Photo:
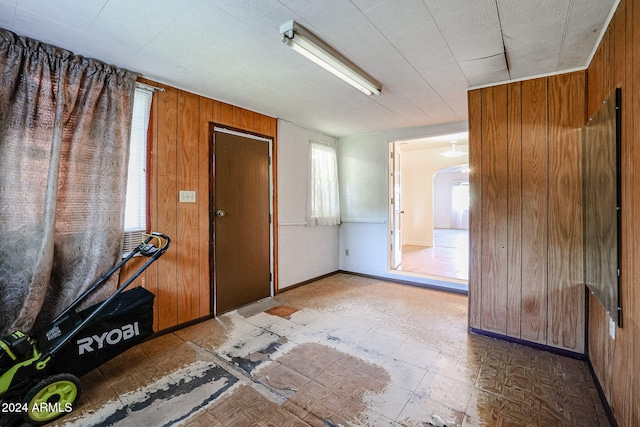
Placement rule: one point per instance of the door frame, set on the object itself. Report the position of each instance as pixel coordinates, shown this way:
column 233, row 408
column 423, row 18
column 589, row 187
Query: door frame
column 395, row 207
column 273, row 252
column 443, row 281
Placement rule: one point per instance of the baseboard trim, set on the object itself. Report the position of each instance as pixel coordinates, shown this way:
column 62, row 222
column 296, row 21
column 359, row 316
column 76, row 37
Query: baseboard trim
column 371, row 276
column 603, row 397
column 596, row 381
column 555, row 350
column 179, row 326
column 306, row 282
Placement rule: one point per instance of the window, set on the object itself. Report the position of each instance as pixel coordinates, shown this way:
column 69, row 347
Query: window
column 460, row 196
column 323, row 205
column 460, row 203
column 135, row 220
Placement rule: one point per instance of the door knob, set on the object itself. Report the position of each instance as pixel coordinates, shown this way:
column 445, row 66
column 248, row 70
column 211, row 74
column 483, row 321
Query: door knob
column 220, row 213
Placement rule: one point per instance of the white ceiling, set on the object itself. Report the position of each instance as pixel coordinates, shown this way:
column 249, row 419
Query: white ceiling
column 426, row 53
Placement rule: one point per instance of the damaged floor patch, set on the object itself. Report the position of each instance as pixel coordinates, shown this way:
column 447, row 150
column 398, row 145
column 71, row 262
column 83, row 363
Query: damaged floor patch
column 281, row 310
column 165, row 402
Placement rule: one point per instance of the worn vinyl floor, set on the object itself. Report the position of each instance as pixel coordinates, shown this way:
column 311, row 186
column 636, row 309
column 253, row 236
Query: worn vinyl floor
column 342, row 351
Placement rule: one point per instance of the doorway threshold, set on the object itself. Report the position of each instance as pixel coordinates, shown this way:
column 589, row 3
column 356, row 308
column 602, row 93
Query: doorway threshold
column 445, row 284
column 450, row 284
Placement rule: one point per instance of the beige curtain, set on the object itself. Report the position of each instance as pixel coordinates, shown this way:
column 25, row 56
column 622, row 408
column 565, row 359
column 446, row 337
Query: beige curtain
column 64, row 132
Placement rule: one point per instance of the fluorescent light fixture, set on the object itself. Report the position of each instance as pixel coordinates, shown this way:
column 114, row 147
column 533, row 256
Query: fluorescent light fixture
column 307, row 44
column 452, row 152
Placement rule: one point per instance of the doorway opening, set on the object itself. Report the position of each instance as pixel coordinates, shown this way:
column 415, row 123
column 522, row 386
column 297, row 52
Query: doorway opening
column 429, row 208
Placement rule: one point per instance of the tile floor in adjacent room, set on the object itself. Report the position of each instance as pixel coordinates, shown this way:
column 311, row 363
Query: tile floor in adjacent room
column 341, row 351
column 449, row 257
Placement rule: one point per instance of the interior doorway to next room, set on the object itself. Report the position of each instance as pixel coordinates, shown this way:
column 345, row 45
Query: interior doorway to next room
column 429, row 207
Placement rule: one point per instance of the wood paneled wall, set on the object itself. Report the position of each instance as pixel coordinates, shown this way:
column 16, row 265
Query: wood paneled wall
column 616, row 362
column 543, row 155
column 181, row 160
column 526, row 218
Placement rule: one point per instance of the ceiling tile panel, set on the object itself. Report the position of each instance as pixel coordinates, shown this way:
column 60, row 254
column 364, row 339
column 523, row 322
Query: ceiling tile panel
column 472, row 32
column 359, row 39
column 485, row 70
column 108, row 51
column 470, row 28
column 247, row 11
column 206, row 45
column 458, row 106
column 367, row 4
column 470, row 46
column 7, row 11
column 74, row 14
column 395, row 102
column 269, row 25
column 448, row 76
column 410, row 29
column 527, row 22
column 325, row 14
column 40, row 27
column 586, row 18
column 137, row 22
column 424, row 52
column 420, row 95
column 533, row 59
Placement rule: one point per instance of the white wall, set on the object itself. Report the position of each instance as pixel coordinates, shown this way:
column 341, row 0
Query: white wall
column 443, row 216
column 303, row 252
column 418, row 170
column 364, row 198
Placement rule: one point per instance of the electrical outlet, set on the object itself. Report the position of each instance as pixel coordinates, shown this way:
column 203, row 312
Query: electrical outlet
column 346, row 252
column 612, row 328
column 187, row 196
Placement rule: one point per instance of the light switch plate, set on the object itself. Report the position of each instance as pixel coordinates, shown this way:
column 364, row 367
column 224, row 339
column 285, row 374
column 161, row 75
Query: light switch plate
column 187, row 196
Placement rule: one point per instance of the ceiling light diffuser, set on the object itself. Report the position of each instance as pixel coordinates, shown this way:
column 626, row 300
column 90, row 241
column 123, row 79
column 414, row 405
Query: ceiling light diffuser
column 313, row 48
column 452, row 152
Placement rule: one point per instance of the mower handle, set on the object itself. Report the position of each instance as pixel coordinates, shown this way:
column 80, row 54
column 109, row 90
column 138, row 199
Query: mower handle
column 146, row 249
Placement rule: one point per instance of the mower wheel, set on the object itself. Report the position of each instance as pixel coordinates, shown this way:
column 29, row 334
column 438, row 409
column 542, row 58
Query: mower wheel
column 51, row 398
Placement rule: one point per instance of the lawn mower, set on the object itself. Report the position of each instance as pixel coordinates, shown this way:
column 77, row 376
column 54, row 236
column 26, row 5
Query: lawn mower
column 39, row 372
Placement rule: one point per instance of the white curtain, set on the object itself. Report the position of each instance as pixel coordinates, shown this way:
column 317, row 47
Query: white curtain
column 323, row 204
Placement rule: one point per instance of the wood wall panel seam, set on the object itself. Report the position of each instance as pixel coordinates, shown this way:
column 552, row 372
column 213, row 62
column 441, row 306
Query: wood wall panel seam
column 565, row 260
column 188, row 277
column 166, row 205
column 535, row 210
column 514, row 216
column 204, row 165
column 630, row 110
column 632, row 312
column 153, row 273
column 475, row 148
column 494, row 210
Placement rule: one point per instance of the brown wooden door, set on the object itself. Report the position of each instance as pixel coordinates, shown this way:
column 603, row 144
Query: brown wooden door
column 241, row 229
